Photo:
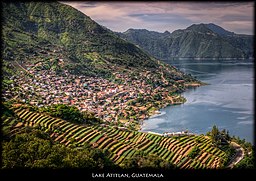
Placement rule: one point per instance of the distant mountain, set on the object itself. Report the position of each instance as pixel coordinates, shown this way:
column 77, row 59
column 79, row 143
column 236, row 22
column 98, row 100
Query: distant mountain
column 196, row 41
column 219, row 30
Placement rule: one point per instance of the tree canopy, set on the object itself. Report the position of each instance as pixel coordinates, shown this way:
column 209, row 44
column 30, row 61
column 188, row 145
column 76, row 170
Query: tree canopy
column 70, row 113
column 33, row 149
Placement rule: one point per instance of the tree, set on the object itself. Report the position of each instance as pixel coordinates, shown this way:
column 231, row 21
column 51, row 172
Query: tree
column 215, row 135
column 71, row 114
column 228, row 136
column 194, row 152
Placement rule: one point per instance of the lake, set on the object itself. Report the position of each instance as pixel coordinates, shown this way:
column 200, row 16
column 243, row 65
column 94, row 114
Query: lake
column 227, row 102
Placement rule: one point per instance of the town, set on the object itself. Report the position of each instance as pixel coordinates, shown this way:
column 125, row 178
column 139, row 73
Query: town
column 125, row 104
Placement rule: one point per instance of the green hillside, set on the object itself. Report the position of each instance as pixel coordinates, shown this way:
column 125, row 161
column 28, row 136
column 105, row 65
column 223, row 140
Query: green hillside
column 39, row 30
column 119, row 146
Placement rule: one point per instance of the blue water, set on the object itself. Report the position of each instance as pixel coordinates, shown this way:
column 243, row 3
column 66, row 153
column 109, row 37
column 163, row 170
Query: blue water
column 228, row 102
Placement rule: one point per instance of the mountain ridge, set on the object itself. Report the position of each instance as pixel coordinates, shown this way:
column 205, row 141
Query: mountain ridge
column 219, row 30
column 196, row 41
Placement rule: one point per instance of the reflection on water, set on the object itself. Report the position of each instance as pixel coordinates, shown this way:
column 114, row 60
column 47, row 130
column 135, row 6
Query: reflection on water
column 226, row 102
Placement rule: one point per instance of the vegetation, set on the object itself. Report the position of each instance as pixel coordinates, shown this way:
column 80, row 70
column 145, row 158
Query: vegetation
column 33, row 149
column 34, row 29
column 248, row 162
column 194, row 152
column 219, row 137
column 149, row 161
column 124, row 148
column 70, row 113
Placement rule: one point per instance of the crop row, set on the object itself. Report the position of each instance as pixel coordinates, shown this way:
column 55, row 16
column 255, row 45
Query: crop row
column 125, row 144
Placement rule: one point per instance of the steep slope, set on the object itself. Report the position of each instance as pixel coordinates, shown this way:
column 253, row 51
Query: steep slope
column 196, row 41
column 33, row 28
column 200, row 42
column 121, row 146
column 154, row 43
column 239, row 41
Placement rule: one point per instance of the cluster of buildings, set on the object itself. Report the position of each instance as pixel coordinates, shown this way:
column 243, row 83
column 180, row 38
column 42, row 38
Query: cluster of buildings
column 171, row 134
column 124, row 103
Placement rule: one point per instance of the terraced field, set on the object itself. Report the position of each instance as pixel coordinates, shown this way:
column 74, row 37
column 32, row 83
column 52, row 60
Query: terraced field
column 123, row 144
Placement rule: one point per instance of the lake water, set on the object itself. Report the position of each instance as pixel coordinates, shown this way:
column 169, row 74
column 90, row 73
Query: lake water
column 228, row 102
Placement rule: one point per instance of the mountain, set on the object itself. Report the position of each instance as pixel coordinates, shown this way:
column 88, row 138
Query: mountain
column 196, row 41
column 53, row 53
column 74, row 95
column 31, row 29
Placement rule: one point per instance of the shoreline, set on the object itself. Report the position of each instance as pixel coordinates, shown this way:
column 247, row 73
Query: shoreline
column 157, row 111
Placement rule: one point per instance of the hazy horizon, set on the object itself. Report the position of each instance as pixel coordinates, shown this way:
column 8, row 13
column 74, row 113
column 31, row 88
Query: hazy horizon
column 237, row 17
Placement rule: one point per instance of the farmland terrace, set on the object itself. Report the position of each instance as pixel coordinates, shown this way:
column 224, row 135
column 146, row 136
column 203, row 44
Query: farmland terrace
column 185, row 152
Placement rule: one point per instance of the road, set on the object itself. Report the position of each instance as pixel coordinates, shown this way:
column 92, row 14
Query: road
column 238, row 156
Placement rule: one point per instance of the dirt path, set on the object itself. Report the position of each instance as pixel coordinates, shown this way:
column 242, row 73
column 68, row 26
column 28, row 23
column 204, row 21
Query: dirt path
column 20, row 66
column 162, row 77
column 238, row 156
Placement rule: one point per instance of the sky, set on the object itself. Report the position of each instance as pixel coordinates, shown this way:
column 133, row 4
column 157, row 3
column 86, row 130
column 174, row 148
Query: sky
column 168, row 15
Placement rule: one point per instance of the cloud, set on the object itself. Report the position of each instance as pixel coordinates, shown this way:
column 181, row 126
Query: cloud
column 161, row 16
